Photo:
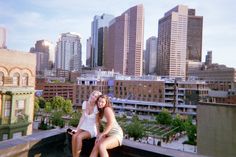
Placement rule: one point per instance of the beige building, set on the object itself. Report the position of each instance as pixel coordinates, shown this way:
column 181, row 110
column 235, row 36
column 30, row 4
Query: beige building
column 172, row 42
column 17, row 82
column 216, row 127
column 218, row 77
column 124, row 51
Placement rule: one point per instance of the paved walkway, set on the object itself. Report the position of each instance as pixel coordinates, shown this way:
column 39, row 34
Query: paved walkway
column 178, row 145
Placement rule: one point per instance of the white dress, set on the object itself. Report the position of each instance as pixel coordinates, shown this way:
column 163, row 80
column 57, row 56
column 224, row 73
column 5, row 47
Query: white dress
column 89, row 122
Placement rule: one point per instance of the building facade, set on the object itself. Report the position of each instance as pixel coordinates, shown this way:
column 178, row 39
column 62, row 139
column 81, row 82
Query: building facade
column 216, row 127
column 68, row 52
column 151, row 56
column 45, row 56
column 172, row 42
column 125, row 42
column 194, row 36
column 97, row 38
column 17, row 82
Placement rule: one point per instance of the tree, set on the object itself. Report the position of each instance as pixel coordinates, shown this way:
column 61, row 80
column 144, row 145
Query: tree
column 56, row 118
column 164, row 117
column 136, row 130
column 75, row 117
column 178, row 122
column 41, row 101
column 67, row 106
column 57, row 103
column 191, row 130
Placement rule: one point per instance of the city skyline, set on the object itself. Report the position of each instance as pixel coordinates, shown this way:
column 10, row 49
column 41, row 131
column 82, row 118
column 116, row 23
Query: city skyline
column 35, row 20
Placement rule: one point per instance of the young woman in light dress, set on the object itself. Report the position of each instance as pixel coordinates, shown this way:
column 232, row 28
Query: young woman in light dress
column 112, row 134
column 87, row 127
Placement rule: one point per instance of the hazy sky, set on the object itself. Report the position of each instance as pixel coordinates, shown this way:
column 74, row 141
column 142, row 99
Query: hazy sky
column 27, row 21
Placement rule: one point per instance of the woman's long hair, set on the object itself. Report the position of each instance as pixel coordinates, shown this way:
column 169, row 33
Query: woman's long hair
column 108, row 104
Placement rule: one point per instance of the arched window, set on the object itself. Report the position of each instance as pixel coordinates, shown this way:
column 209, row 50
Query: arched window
column 16, row 79
column 25, row 79
column 1, row 78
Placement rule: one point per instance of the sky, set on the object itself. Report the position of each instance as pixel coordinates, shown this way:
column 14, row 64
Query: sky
column 27, row 21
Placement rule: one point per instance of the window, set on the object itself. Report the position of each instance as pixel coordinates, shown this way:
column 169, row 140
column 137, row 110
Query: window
column 16, row 78
column 7, row 108
column 20, row 107
column 25, row 79
column 1, row 78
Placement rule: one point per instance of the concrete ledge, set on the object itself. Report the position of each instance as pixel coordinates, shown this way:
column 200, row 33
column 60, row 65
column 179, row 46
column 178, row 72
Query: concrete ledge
column 56, row 143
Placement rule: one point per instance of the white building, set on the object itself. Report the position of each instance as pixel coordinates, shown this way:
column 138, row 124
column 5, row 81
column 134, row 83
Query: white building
column 68, row 52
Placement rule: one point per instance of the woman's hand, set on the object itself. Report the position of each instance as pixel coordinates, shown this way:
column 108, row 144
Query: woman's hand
column 99, row 137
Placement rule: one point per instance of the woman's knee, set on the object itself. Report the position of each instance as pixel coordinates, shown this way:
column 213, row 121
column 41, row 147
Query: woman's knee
column 101, row 146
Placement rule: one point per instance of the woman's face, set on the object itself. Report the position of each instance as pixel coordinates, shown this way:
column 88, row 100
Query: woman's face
column 94, row 96
column 101, row 102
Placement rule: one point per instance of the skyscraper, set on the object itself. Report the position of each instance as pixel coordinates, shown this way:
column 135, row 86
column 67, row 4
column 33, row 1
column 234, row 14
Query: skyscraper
column 68, row 52
column 45, row 55
column 151, row 55
column 125, row 42
column 88, row 52
column 2, row 37
column 194, row 36
column 172, row 42
column 97, row 37
column 208, row 60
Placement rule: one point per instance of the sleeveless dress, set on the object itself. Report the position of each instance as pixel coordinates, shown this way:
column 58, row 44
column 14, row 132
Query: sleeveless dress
column 116, row 131
column 89, row 123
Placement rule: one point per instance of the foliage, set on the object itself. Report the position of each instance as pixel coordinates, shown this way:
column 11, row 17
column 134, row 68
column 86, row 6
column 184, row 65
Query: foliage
column 135, row 129
column 178, row 122
column 164, row 117
column 22, row 118
column 48, row 107
column 56, row 118
column 191, row 130
column 67, row 107
column 75, row 117
column 36, row 105
column 40, row 101
column 58, row 103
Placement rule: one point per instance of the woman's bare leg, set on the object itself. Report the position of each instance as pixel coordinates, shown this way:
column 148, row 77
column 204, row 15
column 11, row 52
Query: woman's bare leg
column 74, row 141
column 107, row 143
column 83, row 135
column 95, row 150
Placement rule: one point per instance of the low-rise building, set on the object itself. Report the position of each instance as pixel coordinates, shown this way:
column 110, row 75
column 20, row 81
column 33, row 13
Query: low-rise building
column 17, row 82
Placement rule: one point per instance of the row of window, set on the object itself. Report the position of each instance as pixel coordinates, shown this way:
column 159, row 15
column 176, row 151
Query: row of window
column 16, row 80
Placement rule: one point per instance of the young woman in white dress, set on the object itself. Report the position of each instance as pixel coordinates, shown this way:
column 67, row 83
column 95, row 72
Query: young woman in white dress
column 87, row 127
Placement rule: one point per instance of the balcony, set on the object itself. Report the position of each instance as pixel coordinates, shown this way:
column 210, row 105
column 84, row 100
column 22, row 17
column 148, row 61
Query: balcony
column 56, row 143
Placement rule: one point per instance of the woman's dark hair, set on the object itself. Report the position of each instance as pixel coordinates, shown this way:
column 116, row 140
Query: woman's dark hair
column 108, row 104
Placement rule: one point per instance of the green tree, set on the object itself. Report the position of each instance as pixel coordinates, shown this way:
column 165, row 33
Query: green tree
column 164, row 117
column 41, row 101
column 48, row 107
column 56, row 118
column 67, row 106
column 75, row 117
column 136, row 130
column 57, row 103
column 178, row 122
column 191, row 130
